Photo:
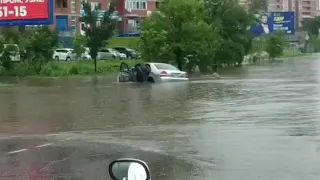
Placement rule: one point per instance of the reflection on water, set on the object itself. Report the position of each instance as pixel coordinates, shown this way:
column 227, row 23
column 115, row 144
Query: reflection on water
column 259, row 123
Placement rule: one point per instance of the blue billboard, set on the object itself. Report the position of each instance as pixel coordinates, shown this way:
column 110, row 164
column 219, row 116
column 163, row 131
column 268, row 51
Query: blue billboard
column 267, row 23
column 26, row 12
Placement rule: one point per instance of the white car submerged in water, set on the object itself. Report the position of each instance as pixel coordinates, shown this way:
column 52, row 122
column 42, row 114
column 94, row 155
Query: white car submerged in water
column 159, row 72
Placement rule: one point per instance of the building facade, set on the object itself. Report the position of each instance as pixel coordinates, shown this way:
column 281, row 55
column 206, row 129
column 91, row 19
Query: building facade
column 68, row 12
column 304, row 9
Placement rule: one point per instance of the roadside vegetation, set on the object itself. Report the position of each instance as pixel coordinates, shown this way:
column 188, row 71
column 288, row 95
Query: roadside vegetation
column 187, row 33
column 211, row 34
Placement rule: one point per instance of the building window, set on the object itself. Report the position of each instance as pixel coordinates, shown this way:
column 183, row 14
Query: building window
column 144, row 5
column 278, row 6
column 136, row 4
column 61, row 4
column 73, row 23
column 306, row 13
column 73, row 18
column 307, row 8
column 73, row 6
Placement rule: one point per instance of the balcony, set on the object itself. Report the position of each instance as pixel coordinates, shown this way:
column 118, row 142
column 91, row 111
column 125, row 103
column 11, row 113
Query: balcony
column 306, row 2
column 306, row 8
column 306, row 14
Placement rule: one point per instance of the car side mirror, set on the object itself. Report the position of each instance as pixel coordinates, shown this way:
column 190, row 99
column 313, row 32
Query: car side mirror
column 129, row 169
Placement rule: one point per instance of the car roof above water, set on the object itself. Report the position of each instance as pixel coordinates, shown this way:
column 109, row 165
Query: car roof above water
column 164, row 66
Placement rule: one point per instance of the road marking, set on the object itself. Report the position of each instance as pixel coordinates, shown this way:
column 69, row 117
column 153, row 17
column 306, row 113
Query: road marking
column 44, row 145
column 17, row 151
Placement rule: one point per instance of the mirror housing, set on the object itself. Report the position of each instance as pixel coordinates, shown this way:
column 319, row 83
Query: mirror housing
column 129, row 169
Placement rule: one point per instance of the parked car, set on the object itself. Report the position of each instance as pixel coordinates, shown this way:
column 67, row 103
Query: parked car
column 14, row 51
column 130, row 53
column 119, row 54
column 106, row 54
column 64, row 54
column 160, row 72
column 86, row 54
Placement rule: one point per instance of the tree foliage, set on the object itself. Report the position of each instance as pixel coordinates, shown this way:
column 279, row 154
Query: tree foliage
column 208, row 32
column 41, row 43
column 275, row 45
column 35, row 45
column 98, row 30
column 231, row 22
column 173, row 31
column 79, row 42
column 312, row 25
column 259, row 6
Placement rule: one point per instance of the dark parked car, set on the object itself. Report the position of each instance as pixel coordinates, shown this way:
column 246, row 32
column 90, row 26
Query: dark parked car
column 131, row 54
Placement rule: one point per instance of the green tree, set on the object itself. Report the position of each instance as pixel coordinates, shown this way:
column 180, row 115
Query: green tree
column 259, row 6
column 153, row 38
column 312, row 25
column 40, row 46
column 258, row 47
column 79, row 45
column 231, row 22
column 10, row 34
column 315, row 42
column 35, row 45
column 275, row 45
column 174, row 31
column 41, row 43
column 5, row 53
column 98, row 30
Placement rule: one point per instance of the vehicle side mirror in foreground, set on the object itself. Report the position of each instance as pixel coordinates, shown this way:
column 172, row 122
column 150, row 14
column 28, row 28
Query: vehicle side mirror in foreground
column 129, row 169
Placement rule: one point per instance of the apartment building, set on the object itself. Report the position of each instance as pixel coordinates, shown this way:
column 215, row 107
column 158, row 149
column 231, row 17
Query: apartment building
column 133, row 12
column 67, row 13
column 304, row 9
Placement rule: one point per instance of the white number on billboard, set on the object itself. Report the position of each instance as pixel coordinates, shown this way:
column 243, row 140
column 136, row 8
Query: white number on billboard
column 17, row 11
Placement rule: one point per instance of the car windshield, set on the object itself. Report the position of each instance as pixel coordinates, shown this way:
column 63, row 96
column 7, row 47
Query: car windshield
column 12, row 47
column 165, row 66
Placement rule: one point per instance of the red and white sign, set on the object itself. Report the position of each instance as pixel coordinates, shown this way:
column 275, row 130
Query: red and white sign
column 23, row 9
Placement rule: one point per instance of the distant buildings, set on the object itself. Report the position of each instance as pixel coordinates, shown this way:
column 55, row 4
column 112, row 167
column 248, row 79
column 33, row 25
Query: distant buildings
column 67, row 13
column 304, row 9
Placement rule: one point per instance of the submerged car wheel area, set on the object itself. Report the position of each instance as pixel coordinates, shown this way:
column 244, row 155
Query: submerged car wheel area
column 151, row 73
column 150, row 80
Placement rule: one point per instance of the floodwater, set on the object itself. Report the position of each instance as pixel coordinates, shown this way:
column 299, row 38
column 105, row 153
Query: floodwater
column 256, row 123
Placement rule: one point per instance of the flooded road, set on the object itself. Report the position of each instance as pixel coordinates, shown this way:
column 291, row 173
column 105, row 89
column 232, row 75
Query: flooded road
column 258, row 123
